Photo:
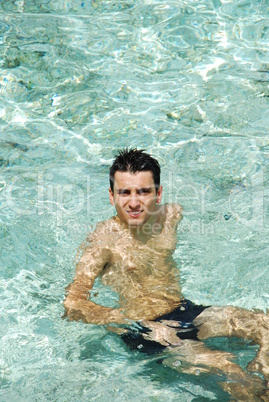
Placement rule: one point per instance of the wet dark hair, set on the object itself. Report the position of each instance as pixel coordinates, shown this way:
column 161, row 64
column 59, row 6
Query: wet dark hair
column 134, row 160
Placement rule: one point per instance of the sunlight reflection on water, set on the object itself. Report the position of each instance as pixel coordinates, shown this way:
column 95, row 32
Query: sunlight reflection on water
column 186, row 80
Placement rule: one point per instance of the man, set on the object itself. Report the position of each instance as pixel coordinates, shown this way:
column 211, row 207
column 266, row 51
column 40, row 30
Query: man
column 132, row 253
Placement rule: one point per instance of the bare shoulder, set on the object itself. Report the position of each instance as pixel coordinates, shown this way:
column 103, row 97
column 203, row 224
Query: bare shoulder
column 95, row 243
column 102, row 234
column 174, row 213
column 177, row 209
column 95, row 251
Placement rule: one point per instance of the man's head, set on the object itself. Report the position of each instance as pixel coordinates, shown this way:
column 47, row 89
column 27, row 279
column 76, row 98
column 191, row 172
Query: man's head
column 135, row 187
column 134, row 161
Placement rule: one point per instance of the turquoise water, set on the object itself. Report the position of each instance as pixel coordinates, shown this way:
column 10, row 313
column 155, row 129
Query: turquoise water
column 189, row 82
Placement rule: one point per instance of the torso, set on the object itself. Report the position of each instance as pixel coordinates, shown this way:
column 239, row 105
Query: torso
column 144, row 274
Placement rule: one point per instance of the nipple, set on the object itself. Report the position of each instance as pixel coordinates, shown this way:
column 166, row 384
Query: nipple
column 131, row 268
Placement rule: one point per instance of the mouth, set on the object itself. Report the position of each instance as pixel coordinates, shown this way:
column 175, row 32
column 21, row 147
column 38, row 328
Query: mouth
column 134, row 214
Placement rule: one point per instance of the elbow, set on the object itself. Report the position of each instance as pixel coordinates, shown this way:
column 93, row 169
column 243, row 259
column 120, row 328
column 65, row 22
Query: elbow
column 66, row 303
column 72, row 307
column 73, row 310
column 68, row 306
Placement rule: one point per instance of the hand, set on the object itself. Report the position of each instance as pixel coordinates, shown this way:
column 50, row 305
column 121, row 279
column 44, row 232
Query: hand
column 161, row 333
column 117, row 316
column 171, row 323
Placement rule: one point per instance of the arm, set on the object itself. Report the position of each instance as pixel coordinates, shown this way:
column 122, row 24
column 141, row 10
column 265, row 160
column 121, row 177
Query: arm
column 161, row 332
column 77, row 303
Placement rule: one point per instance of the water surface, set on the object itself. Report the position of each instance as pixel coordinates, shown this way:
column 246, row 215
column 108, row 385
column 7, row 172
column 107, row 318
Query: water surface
column 189, row 82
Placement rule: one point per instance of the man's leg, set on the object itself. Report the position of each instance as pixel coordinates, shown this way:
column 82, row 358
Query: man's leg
column 193, row 357
column 240, row 323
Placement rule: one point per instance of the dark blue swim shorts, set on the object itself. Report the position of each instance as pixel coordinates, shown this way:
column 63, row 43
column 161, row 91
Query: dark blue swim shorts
column 184, row 315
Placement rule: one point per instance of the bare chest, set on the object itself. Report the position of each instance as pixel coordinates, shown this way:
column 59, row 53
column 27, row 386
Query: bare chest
column 136, row 264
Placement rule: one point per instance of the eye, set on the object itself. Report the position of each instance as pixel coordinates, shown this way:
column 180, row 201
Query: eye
column 144, row 191
column 123, row 192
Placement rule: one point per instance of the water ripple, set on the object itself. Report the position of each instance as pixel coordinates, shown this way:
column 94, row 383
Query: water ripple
column 186, row 80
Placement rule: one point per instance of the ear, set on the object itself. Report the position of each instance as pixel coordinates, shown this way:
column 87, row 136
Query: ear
column 111, row 197
column 159, row 195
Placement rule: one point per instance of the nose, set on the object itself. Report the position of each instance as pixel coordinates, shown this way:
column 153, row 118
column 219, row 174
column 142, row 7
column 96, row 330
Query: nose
column 134, row 201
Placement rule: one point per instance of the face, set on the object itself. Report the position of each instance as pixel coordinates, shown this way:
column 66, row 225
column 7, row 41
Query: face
column 135, row 197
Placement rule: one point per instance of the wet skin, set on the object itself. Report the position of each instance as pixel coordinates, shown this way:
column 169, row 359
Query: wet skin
column 132, row 253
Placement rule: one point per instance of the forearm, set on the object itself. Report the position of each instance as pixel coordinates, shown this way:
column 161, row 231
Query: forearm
column 89, row 312
column 77, row 303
